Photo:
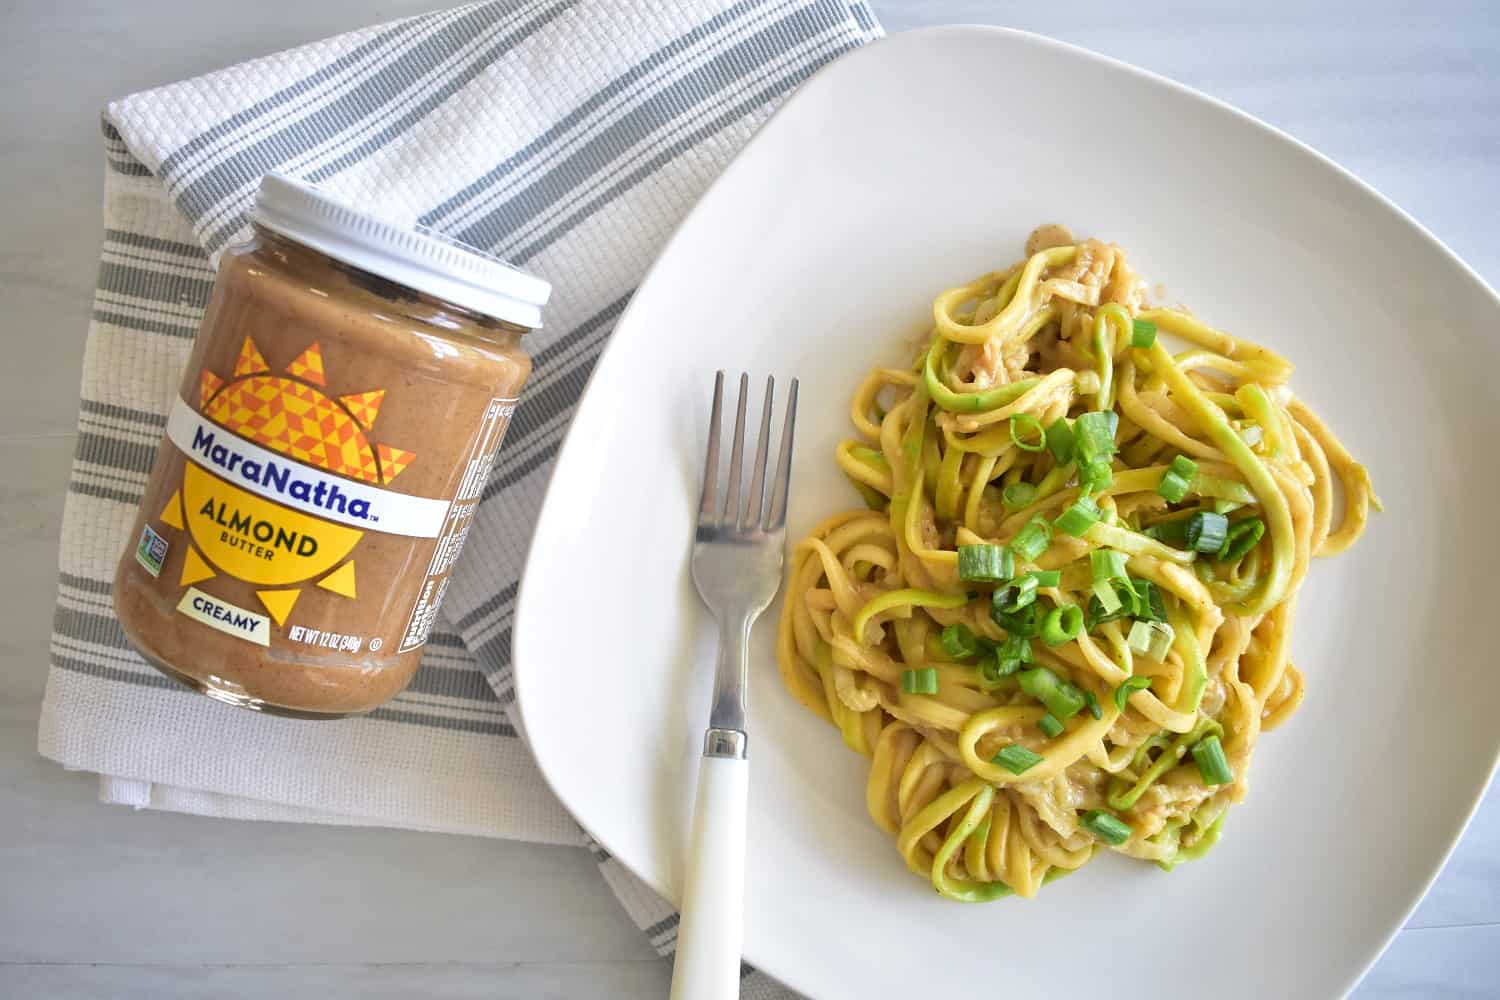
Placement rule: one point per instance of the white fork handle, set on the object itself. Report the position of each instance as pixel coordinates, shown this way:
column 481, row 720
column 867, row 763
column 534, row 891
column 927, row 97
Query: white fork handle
column 707, row 966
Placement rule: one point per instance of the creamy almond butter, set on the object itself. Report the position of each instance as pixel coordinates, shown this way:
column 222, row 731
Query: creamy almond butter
column 334, row 429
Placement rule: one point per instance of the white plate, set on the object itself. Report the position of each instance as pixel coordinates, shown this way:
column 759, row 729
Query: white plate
column 904, row 169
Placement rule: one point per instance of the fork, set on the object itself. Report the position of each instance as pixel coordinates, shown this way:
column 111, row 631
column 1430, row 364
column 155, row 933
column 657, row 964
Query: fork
column 737, row 559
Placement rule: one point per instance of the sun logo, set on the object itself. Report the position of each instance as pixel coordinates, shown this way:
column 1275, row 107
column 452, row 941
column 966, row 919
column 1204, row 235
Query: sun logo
column 253, row 538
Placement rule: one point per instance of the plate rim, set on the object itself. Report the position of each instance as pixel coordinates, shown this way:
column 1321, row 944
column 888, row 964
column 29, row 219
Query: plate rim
column 863, row 54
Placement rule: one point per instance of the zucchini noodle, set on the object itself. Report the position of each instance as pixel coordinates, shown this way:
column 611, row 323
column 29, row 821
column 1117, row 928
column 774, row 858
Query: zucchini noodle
column 1218, row 490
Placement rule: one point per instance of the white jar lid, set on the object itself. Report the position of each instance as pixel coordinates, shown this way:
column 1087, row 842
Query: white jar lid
column 417, row 257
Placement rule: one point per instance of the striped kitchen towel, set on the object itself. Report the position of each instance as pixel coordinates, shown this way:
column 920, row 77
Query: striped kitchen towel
column 567, row 135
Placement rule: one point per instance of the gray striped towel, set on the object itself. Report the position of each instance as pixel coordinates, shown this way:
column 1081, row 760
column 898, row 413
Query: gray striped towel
column 570, row 136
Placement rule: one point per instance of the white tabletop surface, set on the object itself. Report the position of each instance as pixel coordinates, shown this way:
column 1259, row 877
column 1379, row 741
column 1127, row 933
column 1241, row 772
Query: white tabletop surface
column 100, row 901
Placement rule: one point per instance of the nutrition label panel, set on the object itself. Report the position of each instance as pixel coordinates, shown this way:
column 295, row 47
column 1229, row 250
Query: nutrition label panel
column 460, row 518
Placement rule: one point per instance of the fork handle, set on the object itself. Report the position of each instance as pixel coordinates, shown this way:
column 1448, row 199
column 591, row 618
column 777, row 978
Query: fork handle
column 707, row 966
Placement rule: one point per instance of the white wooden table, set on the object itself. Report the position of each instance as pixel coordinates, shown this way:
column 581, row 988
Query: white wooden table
column 99, row 901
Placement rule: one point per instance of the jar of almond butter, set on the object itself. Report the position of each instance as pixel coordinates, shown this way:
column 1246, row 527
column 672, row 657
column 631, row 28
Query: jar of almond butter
column 332, row 435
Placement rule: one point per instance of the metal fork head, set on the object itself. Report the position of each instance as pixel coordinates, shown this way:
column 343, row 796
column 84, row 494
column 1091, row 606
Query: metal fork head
column 739, row 542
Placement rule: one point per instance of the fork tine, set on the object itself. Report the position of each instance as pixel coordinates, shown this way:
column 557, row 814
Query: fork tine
column 776, row 516
column 737, row 455
column 707, row 504
column 755, row 500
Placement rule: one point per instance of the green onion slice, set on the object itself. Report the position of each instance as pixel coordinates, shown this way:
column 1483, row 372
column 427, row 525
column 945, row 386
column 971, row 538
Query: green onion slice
column 1153, row 639
column 1095, row 477
column 1062, row 624
column 1004, row 660
column 1107, row 564
column 922, row 681
column 1018, row 495
column 1178, row 479
column 1184, row 467
column 1213, row 766
column 1060, row 441
column 1017, row 759
column 1127, row 687
column 1206, row 531
column 985, row 563
column 959, row 641
column 1016, row 647
column 1148, row 603
column 1107, row 597
column 1241, row 538
column 1142, row 333
column 1080, row 517
column 1027, row 432
column 1016, row 594
column 1107, row 827
column 1024, row 623
column 1173, row 487
column 992, row 672
column 1032, row 540
column 1062, row 698
column 1173, row 532
column 1123, row 599
column 1094, row 436
column 1049, row 726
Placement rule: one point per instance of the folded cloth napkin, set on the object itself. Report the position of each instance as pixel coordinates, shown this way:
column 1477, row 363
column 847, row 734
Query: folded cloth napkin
column 569, row 136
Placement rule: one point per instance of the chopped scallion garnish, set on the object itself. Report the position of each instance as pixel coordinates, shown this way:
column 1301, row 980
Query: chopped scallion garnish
column 1142, row 333
column 1153, row 639
column 1024, row 623
column 1018, row 495
column 1107, row 596
column 1017, row 759
column 1016, row 594
column 1062, row 624
column 1049, row 726
column 1027, row 432
column 985, row 563
column 1094, row 436
column 922, row 681
column 1107, row 827
column 1184, row 467
column 959, row 641
column 1060, row 441
column 1011, row 653
column 1032, row 540
column 1080, row 517
column 991, row 671
column 1095, row 477
column 1173, row 532
column 1127, row 687
column 1241, row 538
column 1062, row 698
column 1148, row 604
column 1107, row 564
column 1176, row 481
column 1213, row 766
column 1124, row 598
column 1206, row 531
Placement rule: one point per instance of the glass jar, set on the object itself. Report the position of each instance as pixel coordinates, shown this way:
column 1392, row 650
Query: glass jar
column 332, row 435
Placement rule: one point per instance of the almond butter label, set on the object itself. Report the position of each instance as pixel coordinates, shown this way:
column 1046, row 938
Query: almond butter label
column 281, row 483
